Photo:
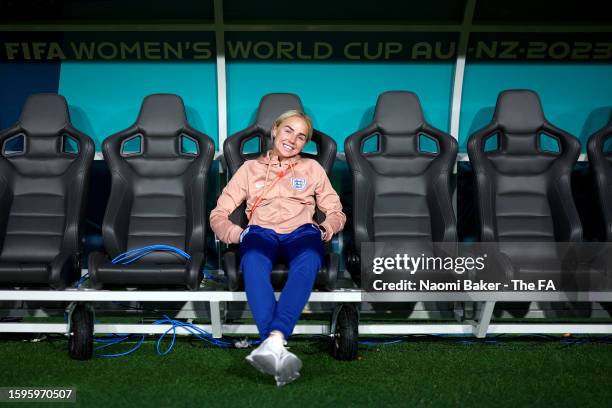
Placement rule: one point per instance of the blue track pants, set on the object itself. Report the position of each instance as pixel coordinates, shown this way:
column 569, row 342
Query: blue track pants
column 303, row 251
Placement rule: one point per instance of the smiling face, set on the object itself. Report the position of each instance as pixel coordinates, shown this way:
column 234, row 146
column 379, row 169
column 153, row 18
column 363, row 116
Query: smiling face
column 289, row 137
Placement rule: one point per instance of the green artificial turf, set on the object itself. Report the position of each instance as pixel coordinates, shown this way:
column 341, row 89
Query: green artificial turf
column 418, row 372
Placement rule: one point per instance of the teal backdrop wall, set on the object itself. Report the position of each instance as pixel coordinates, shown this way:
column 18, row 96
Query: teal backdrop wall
column 340, row 97
column 105, row 97
column 575, row 97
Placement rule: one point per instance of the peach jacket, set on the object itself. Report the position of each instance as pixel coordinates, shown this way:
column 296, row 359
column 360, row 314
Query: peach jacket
column 290, row 190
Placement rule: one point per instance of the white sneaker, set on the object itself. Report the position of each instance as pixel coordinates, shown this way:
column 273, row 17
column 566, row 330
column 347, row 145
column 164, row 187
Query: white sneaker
column 265, row 358
column 288, row 369
column 272, row 358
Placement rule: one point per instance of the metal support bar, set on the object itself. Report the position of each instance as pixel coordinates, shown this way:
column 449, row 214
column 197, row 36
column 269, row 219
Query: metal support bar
column 351, row 295
column 459, row 311
column 364, row 329
column 551, row 328
column 221, row 74
column 34, row 328
column 464, row 37
column 441, row 328
column 215, row 320
column 479, row 328
column 458, row 75
column 484, row 318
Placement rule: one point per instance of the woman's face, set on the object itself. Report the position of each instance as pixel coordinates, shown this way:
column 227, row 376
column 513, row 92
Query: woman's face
column 289, row 137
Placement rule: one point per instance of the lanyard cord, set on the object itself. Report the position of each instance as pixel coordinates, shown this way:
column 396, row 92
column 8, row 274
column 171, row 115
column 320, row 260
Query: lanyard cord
column 276, row 180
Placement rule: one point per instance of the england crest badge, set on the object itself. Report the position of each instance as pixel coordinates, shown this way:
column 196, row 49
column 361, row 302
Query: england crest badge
column 299, row 184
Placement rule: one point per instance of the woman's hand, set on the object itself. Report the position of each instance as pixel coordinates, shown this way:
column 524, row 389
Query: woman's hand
column 325, row 234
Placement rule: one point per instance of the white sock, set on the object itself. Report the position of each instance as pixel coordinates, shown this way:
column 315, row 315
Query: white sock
column 277, row 333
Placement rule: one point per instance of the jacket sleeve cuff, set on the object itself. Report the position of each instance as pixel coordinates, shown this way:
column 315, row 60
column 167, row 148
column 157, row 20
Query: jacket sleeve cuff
column 234, row 235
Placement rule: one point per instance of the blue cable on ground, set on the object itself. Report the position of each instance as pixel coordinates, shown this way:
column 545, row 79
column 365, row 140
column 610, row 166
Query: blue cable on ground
column 191, row 328
column 112, row 342
column 127, row 258
column 376, row 343
column 194, row 330
column 116, row 338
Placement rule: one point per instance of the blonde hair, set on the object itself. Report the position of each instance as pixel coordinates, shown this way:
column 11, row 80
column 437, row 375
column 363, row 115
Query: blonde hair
column 291, row 113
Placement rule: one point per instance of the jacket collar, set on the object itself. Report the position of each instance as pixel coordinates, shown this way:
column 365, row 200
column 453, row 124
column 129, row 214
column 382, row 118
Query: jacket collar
column 270, row 158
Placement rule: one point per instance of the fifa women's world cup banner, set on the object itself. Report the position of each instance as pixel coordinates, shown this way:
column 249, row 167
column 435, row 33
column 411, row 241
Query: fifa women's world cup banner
column 314, row 46
column 486, row 267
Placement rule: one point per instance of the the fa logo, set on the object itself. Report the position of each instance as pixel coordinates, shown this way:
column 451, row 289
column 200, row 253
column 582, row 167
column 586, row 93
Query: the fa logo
column 298, row 183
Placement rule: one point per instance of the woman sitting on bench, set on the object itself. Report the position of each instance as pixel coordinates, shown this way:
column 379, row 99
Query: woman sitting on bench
column 281, row 190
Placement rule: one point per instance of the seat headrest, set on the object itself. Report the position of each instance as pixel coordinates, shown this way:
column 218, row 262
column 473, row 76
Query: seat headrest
column 398, row 112
column 519, row 111
column 162, row 115
column 44, row 114
column 273, row 105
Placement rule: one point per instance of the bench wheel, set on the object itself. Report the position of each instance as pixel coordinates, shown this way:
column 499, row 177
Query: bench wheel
column 80, row 342
column 345, row 333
